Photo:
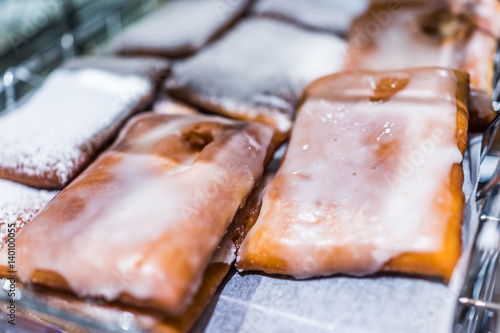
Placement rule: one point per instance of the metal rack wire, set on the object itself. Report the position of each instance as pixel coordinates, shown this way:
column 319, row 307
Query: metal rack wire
column 478, row 304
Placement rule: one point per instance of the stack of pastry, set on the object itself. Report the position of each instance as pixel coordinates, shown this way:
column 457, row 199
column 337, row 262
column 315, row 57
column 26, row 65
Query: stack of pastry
column 150, row 220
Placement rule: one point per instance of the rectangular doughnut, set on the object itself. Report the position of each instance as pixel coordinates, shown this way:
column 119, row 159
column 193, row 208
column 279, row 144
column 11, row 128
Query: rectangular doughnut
column 50, row 138
column 371, row 181
column 439, row 34
column 257, row 71
column 141, row 224
column 157, row 321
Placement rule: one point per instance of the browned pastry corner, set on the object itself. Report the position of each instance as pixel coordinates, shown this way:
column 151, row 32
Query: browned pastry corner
column 371, row 181
column 50, row 138
column 459, row 35
column 128, row 228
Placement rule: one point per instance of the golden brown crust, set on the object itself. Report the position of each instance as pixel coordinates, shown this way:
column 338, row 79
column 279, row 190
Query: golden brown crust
column 264, row 253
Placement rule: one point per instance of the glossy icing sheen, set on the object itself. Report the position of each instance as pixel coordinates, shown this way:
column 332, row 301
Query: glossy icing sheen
column 362, row 177
column 145, row 219
column 114, row 314
column 433, row 35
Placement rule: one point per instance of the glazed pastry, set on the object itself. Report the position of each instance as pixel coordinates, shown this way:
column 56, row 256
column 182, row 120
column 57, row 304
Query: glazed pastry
column 79, row 108
column 257, row 71
column 459, row 37
column 141, row 224
column 323, row 15
column 18, row 205
column 179, row 28
column 157, row 321
column 371, row 181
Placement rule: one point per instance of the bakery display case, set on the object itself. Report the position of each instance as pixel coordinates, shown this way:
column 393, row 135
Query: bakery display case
column 249, row 166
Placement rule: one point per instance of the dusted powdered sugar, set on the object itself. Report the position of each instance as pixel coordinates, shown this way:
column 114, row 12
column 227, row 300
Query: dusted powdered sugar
column 326, row 15
column 18, row 205
column 179, row 28
column 257, row 71
column 50, row 138
column 132, row 222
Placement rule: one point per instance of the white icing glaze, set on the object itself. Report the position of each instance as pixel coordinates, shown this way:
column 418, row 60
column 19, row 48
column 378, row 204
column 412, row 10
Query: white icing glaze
column 258, row 69
column 360, row 179
column 326, row 15
column 384, row 40
column 143, row 221
column 18, row 205
column 58, row 130
column 185, row 27
column 371, row 43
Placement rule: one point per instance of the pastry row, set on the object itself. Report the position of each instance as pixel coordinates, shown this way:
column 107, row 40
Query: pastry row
column 371, row 180
column 255, row 71
column 390, row 35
